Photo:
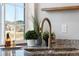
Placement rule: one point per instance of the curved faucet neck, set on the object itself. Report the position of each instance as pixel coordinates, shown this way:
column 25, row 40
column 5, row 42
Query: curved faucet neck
column 49, row 40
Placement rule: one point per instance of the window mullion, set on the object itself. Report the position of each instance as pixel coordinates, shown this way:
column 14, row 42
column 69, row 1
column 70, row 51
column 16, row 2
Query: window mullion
column 15, row 22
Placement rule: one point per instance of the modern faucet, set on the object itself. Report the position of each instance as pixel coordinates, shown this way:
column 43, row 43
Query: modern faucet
column 49, row 39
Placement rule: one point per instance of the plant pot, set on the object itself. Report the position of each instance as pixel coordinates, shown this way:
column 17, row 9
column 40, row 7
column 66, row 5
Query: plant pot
column 31, row 42
column 39, row 41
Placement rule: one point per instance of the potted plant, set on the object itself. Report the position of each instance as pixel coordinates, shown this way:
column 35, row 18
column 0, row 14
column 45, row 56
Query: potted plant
column 46, row 36
column 31, row 37
column 36, row 26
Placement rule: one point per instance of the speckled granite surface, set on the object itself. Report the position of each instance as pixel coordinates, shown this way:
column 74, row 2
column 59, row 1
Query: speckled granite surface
column 61, row 48
column 55, row 53
column 58, row 51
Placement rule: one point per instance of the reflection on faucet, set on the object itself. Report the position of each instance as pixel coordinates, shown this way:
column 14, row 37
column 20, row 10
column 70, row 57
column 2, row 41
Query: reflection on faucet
column 49, row 40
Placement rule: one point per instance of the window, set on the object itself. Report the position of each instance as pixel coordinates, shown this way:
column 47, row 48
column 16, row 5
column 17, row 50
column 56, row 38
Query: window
column 14, row 20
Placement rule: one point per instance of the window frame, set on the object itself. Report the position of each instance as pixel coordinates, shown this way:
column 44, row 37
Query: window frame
column 14, row 18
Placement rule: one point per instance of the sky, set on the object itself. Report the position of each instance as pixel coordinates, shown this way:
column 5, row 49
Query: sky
column 10, row 12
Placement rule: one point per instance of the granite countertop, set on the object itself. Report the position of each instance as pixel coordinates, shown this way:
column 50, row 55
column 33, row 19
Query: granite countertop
column 38, row 51
column 22, row 52
column 13, row 51
column 53, row 51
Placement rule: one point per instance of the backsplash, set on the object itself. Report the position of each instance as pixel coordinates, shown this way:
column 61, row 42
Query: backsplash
column 68, row 43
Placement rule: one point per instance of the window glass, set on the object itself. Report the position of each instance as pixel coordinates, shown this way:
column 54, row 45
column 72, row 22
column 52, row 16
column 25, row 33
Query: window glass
column 14, row 21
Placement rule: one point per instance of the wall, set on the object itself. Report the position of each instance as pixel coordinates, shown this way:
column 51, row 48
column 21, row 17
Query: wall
column 0, row 24
column 60, row 19
column 29, row 12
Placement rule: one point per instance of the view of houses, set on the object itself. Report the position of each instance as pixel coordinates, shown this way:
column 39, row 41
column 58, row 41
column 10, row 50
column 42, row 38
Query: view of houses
column 18, row 30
